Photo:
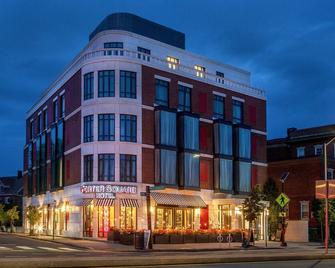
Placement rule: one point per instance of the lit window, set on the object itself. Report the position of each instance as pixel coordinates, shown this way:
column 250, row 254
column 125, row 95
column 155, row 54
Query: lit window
column 300, row 151
column 318, row 149
column 200, row 71
column 172, row 62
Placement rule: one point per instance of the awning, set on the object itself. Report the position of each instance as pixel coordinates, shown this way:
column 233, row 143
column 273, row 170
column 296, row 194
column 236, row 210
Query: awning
column 130, row 203
column 178, row 200
column 86, row 202
column 104, row 202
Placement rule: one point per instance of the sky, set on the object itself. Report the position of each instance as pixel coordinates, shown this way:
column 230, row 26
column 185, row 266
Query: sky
column 288, row 46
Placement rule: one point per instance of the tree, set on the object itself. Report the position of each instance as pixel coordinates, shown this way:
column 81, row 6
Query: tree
column 33, row 217
column 253, row 207
column 12, row 215
column 271, row 192
column 3, row 215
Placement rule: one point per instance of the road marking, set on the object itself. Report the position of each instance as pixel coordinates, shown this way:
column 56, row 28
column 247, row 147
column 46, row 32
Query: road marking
column 25, row 247
column 69, row 249
column 50, row 249
column 4, row 248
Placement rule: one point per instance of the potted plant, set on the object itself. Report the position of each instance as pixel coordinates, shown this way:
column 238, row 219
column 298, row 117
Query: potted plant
column 127, row 237
column 201, row 236
column 161, row 236
column 113, row 234
column 189, row 236
column 33, row 216
column 176, row 237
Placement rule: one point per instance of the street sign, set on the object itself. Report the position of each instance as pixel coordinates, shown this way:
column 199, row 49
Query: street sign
column 153, row 188
column 282, row 200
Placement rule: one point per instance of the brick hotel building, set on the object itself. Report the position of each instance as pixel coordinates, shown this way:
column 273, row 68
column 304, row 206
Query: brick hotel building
column 133, row 109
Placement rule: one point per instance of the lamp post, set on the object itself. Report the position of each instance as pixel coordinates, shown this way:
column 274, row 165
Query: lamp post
column 283, row 228
column 326, row 199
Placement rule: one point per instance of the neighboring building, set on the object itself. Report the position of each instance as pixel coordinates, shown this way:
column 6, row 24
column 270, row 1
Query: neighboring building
column 301, row 154
column 133, row 109
column 11, row 191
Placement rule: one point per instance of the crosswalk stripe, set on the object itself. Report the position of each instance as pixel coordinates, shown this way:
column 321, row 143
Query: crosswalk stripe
column 4, row 248
column 50, row 249
column 25, row 247
column 69, row 249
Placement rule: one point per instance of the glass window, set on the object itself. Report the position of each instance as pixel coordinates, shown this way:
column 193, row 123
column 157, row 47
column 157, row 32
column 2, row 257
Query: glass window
column 172, row 62
column 237, row 112
column 300, row 151
column 224, row 217
column 189, row 170
column 200, row 71
column 184, row 98
column 55, row 110
column 218, row 107
column 88, row 220
column 128, row 127
column 88, row 128
column 330, row 173
column 106, row 167
column 166, row 167
column 113, row 45
column 223, row 140
column 144, row 50
column 105, row 220
column 62, row 105
column 39, row 123
column 88, row 167
column 223, row 174
column 244, row 143
column 106, row 127
column 30, row 156
column 128, row 217
column 318, row 149
column 60, row 139
column 166, row 128
column 190, row 128
column 45, row 119
column 127, row 84
column 162, row 92
column 31, row 129
column 144, row 53
column 164, row 218
column 88, row 86
column 304, row 206
column 128, row 168
column 106, row 84
column 244, row 171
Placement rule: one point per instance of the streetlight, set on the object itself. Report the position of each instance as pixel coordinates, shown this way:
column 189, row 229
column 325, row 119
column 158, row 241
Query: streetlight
column 326, row 179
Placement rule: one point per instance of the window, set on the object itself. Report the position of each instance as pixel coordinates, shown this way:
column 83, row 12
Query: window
column 31, row 129
column 106, row 128
column 318, row 149
column 330, row 173
column 166, row 128
column 88, row 86
column 190, row 132
column 189, row 170
column 300, row 152
column 243, row 143
column 237, row 112
column 128, row 217
column 223, row 140
column 184, row 98
column 106, row 84
column 39, row 123
column 162, row 92
column 113, row 45
column 304, row 209
column 57, row 155
column 88, row 167
column 62, row 106
column 223, row 174
column 225, row 216
column 200, row 71
column 166, row 167
column 30, row 156
column 127, row 84
column 172, row 62
column 55, row 110
column 106, row 167
column 144, row 50
column 243, row 176
column 128, row 127
column 88, row 128
column 128, row 168
column 45, row 119
column 220, row 77
column 218, row 107
column 144, row 53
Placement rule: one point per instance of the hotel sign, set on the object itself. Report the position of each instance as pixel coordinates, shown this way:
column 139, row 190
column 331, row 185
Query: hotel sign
column 108, row 189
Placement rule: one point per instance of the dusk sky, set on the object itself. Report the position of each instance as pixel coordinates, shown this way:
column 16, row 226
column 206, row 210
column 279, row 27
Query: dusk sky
column 288, row 46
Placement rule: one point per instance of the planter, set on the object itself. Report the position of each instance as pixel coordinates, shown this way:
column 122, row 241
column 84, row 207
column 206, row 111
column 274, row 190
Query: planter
column 202, row 238
column 139, row 240
column 114, row 236
column 212, row 238
column 127, row 239
column 189, row 238
column 176, row 239
column 161, row 239
column 237, row 237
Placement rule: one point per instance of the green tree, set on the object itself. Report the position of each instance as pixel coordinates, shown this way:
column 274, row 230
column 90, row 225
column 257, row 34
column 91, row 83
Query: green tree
column 33, row 217
column 253, row 207
column 3, row 215
column 271, row 192
column 12, row 215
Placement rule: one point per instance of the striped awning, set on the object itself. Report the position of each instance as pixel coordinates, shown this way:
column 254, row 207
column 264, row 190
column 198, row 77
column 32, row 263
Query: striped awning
column 104, row 202
column 86, row 202
column 129, row 203
column 178, row 200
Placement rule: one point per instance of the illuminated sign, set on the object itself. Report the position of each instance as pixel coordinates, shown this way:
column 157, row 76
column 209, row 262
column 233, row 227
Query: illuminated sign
column 107, row 189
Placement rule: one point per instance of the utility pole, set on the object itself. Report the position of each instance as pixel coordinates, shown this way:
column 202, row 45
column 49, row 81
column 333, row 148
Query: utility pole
column 149, row 215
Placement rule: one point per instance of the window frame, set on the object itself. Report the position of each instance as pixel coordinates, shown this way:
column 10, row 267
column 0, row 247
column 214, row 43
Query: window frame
column 128, row 122
column 184, row 92
column 316, row 148
column 102, row 158
column 159, row 83
column 88, row 133
column 105, row 91
column 124, row 92
column 106, row 135
column 88, row 167
column 300, row 151
column 88, row 86
column 240, row 104
column 128, row 161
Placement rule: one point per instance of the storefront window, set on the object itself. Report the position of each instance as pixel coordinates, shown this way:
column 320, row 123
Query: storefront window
column 164, row 218
column 167, row 218
column 128, row 217
column 224, row 217
column 105, row 220
column 88, row 221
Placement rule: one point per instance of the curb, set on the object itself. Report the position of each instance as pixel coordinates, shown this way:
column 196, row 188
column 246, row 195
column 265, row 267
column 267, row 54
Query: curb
column 112, row 262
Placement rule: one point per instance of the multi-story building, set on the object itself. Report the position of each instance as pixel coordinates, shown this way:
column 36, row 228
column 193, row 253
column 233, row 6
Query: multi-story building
column 301, row 154
column 135, row 109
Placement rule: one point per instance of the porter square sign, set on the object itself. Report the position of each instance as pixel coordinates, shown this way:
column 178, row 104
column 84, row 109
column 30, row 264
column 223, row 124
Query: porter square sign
column 107, row 190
